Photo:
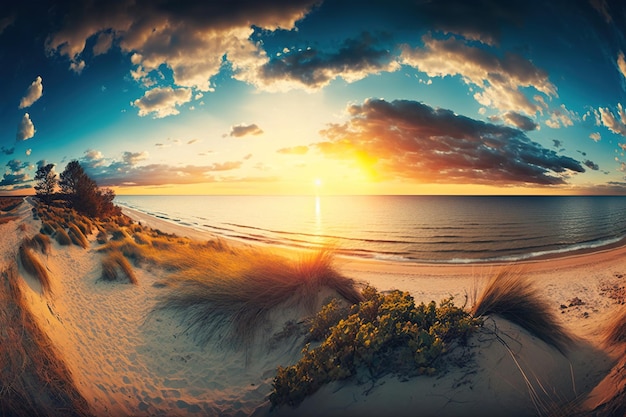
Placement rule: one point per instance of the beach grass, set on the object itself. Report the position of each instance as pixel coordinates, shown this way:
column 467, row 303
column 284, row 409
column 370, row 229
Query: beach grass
column 40, row 242
column 34, row 267
column 77, row 236
column 34, row 380
column 62, row 237
column 236, row 289
column 511, row 295
column 115, row 267
column 615, row 328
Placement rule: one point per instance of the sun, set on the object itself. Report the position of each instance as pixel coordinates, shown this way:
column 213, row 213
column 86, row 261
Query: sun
column 317, row 182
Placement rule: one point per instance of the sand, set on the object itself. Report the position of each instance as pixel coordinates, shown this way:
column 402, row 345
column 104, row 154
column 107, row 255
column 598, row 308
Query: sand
column 128, row 359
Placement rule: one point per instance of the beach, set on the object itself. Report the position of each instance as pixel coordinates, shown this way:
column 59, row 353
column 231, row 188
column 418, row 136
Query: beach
column 128, row 358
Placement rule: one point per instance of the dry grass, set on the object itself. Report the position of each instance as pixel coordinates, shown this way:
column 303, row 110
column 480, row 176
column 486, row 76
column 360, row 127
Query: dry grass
column 234, row 291
column 116, row 267
column 615, row 328
column 62, row 237
column 31, row 264
column 10, row 203
column 40, row 242
column 77, row 237
column 512, row 296
column 34, row 381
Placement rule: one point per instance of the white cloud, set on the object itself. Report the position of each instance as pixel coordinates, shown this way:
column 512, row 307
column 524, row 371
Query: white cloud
column 28, row 152
column 561, row 117
column 499, row 79
column 77, row 66
column 162, row 102
column 595, row 136
column 26, row 128
column 33, row 93
column 607, row 118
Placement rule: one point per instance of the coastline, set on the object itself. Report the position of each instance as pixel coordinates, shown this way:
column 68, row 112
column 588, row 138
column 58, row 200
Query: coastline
column 590, row 275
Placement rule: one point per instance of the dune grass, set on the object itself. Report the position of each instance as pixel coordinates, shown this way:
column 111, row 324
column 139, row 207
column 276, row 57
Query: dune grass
column 615, row 328
column 40, row 242
column 62, row 237
column 31, row 264
column 77, row 237
column 34, row 381
column 234, row 291
column 115, row 267
column 512, row 296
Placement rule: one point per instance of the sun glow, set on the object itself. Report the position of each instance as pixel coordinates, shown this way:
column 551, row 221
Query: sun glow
column 317, row 182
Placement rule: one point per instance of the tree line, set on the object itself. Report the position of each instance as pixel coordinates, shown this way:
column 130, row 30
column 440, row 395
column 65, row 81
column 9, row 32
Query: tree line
column 74, row 187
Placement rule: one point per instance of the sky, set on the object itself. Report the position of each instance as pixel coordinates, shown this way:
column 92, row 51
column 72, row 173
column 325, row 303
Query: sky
column 324, row 97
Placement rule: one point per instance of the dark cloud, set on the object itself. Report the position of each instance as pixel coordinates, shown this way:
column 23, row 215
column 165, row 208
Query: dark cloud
column 410, row 140
column 520, row 121
column 557, row 143
column 245, row 130
column 591, row 165
column 295, row 150
column 15, row 176
column 7, row 151
column 314, row 68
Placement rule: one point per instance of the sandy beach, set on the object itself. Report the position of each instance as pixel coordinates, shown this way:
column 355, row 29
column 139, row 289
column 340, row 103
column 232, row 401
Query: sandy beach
column 127, row 358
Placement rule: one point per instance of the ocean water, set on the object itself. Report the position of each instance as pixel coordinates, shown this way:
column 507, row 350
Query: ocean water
column 440, row 229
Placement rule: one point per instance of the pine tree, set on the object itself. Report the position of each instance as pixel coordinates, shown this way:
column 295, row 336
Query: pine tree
column 46, row 182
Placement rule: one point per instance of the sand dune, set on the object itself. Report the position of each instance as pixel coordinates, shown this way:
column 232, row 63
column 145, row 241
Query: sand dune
column 128, row 358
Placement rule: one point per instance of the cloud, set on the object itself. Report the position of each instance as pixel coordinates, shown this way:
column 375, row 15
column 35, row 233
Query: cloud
column 607, row 118
column 520, row 121
column 409, row 140
column 499, row 80
column 591, row 165
column 33, row 93
column 192, row 141
column 25, row 129
column 557, row 143
column 127, row 170
column 103, row 43
column 162, row 102
column 313, row 68
column 244, row 130
column 77, row 66
column 561, row 117
column 595, row 136
column 28, row 152
column 190, row 38
column 6, row 21
column 15, row 176
column 295, row 150
column 621, row 63
column 7, row 151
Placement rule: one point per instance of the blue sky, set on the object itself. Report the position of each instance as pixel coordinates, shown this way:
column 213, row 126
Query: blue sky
column 338, row 97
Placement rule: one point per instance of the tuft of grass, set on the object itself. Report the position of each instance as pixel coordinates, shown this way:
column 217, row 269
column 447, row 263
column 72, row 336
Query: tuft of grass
column 62, row 237
column 235, row 291
column 34, row 380
column 77, row 237
column 31, row 264
column 115, row 267
column 615, row 328
column 512, row 296
column 21, row 227
column 47, row 228
column 40, row 242
column 102, row 237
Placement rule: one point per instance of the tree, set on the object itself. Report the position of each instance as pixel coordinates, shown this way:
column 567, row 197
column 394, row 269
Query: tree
column 83, row 193
column 46, row 182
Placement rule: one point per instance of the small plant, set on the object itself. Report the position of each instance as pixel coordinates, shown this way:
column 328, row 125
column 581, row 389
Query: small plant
column 31, row 264
column 382, row 334
column 62, row 237
column 615, row 330
column 77, row 237
column 102, row 237
column 115, row 266
column 513, row 297
column 40, row 242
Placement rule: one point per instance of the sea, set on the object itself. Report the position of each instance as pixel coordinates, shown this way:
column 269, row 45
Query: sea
column 432, row 229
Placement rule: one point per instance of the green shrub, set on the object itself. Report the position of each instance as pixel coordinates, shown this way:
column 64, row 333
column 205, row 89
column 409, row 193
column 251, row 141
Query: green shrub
column 382, row 334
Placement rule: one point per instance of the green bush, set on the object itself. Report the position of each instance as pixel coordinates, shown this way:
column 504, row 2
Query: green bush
column 382, row 334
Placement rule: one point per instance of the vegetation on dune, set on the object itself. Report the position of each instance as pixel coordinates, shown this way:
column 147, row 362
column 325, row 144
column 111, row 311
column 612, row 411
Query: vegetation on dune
column 34, row 267
column 380, row 335
column 77, row 237
column 8, row 204
column 236, row 289
column 62, row 237
column 39, row 242
column 512, row 296
column 115, row 267
column 615, row 328
column 34, row 381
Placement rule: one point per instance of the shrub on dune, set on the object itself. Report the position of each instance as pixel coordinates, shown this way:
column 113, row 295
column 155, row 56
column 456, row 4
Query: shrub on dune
column 102, row 237
column 237, row 292
column 40, row 242
column 31, row 264
column 115, row 267
column 47, row 228
column 512, row 296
